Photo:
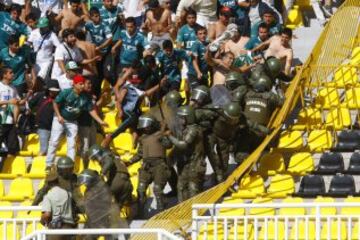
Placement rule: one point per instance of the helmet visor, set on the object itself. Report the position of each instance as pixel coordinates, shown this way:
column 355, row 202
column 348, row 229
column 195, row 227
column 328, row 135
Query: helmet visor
column 144, row 122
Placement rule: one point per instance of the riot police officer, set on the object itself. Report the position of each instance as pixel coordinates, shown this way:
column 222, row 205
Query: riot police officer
column 115, row 171
column 67, row 180
column 238, row 87
column 192, row 169
column 152, row 149
column 101, row 208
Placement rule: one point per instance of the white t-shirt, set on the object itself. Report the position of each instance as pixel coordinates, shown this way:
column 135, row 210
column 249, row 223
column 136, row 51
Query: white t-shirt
column 45, row 53
column 64, row 82
column 55, row 5
column 58, row 202
column 254, row 15
column 7, row 92
column 62, row 54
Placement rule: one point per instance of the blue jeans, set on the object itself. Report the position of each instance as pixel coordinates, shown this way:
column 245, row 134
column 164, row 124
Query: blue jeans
column 44, row 136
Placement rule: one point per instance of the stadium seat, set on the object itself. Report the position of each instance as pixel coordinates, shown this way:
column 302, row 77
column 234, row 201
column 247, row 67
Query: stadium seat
column 6, row 214
column 308, row 118
column 13, row 167
column 78, row 165
column 320, row 140
column 124, row 142
column 30, row 228
column 281, row 186
column 327, row 98
column 134, row 168
column 290, row 211
column 351, row 210
column 266, row 211
column 31, row 146
column 301, row 163
column 348, row 141
column 352, row 98
column 338, row 119
column 271, row 164
column 62, row 148
column 290, row 140
column 354, row 164
column 333, row 230
column 232, row 211
column 303, row 230
column 250, row 187
column 37, row 169
column 311, row 186
column 330, row 163
column 239, row 231
column 207, row 232
column 94, row 165
column 2, row 189
column 345, row 76
column 20, row 189
column 24, row 214
column 355, row 56
column 272, row 231
column 342, row 185
column 324, row 211
column 11, row 231
column 112, row 120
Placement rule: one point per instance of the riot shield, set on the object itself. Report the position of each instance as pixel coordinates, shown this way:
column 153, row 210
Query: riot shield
column 220, row 95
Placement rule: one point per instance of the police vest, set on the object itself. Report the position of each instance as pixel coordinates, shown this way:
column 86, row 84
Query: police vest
column 152, row 146
column 257, row 108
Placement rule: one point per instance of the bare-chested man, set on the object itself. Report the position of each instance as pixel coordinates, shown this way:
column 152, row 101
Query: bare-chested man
column 158, row 21
column 279, row 46
column 73, row 17
column 221, row 66
column 216, row 29
column 236, row 44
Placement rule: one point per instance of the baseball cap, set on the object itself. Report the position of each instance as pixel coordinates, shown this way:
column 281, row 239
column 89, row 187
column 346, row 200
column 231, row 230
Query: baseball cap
column 78, row 79
column 71, row 66
column 53, row 85
column 226, row 11
column 43, row 22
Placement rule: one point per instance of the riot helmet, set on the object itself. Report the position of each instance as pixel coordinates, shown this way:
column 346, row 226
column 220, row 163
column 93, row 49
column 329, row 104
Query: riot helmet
column 173, row 98
column 200, row 94
column 187, row 113
column 257, row 72
column 88, row 177
column 232, row 111
column 65, row 167
column 274, row 66
column 263, row 84
column 234, row 80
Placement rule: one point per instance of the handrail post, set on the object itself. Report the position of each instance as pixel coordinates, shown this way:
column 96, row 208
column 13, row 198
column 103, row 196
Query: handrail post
column 317, row 222
column 194, row 228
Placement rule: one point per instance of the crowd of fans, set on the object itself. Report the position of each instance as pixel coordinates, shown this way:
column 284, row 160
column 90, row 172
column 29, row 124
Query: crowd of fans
column 56, row 54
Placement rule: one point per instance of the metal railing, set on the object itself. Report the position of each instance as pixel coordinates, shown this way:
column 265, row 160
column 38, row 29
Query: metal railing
column 319, row 221
column 159, row 234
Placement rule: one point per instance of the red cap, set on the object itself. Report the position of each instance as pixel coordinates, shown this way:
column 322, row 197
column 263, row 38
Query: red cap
column 225, row 10
column 78, row 79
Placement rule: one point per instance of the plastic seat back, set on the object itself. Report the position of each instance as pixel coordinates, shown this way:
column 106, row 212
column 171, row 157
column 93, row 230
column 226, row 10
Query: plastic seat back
column 342, row 185
column 331, row 163
column 348, row 140
column 354, row 164
column 311, row 186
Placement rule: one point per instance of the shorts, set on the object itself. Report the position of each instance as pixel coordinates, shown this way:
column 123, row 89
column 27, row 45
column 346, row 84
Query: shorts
column 160, row 39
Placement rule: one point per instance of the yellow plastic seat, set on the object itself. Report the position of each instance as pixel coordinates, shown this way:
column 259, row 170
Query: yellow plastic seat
column 308, row 118
column 20, row 189
column 290, row 211
column 124, row 142
column 112, row 120
column 241, row 232
column 182, row 85
column 338, row 118
column 352, row 98
column 271, row 164
column 345, row 76
column 324, row 210
column 78, row 165
column 266, row 211
column 6, row 214
column 294, row 18
column 37, row 167
column 94, row 165
column 355, row 233
column 269, row 231
column 134, row 168
column 11, row 231
column 24, row 214
column 31, row 146
column 250, row 187
column 2, row 189
column 13, row 167
column 303, row 230
column 301, row 163
column 355, row 56
column 232, row 211
column 320, row 140
column 207, row 232
column 327, row 98
column 281, row 186
column 333, row 230
column 135, row 182
column 30, row 228
column 351, row 211
column 62, row 148
column 291, row 140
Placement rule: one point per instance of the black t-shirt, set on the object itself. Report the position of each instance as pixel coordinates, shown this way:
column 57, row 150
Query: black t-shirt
column 85, row 119
column 43, row 106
